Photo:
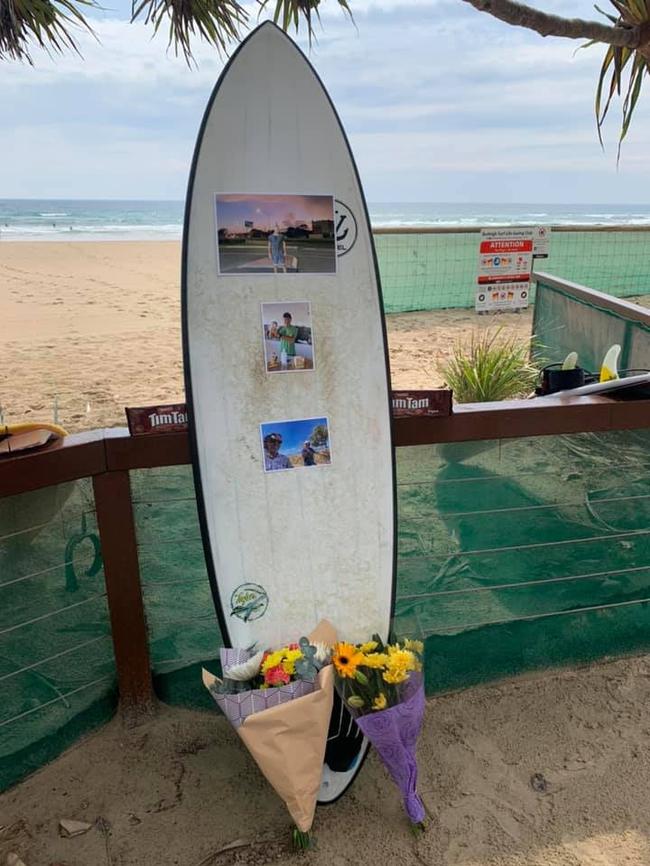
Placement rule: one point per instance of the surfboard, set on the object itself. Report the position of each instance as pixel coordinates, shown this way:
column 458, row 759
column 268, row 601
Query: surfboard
column 289, row 417
column 640, row 381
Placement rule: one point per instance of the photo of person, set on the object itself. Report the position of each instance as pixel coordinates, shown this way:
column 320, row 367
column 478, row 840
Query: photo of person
column 288, row 341
column 275, row 234
column 295, row 444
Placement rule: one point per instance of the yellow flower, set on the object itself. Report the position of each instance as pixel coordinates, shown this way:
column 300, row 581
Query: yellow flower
column 415, row 645
column 401, row 659
column 272, row 660
column 369, row 646
column 290, row 659
column 400, row 663
column 374, row 660
column 346, row 658
column 380, row 702
column 395, row 677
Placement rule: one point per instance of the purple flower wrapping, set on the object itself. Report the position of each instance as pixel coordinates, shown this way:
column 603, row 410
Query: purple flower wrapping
column 394, row 733
column 238, row 707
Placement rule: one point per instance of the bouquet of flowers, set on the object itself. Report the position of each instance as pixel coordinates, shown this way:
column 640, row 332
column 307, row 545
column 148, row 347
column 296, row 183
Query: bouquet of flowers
column 280, row 701
column 381, row 684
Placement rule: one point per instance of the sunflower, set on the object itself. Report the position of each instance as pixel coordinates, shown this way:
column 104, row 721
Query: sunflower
column 346, row 658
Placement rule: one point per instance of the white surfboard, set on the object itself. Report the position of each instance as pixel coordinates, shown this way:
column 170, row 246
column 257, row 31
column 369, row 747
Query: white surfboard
column 642, row 380
column 291, row 431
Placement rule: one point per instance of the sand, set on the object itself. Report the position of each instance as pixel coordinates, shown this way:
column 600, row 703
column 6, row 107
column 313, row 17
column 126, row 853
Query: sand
column 95, row 327
column 549, row 770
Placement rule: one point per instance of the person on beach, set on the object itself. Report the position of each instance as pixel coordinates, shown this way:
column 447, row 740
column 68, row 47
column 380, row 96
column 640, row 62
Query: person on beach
column 272, row 457
column 287, row 334
column 277, row 250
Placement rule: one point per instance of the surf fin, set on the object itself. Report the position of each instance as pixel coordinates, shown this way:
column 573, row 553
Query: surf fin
column 609, row 367
column 570, row 361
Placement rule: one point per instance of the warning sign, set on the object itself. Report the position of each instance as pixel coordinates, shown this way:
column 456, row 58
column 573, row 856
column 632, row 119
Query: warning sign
column 504, row 268
column 541, row 242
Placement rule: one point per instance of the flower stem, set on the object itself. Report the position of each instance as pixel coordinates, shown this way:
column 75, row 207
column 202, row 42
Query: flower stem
column 301, row 841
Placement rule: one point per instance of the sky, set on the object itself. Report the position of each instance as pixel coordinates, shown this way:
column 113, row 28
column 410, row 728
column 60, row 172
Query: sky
column 441, row 103
column 267, row 211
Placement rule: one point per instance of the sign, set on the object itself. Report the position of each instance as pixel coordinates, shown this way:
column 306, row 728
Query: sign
column 504, row 268
column 157, row 419
column 427, row 404
column 248, row 224
column 541, row 242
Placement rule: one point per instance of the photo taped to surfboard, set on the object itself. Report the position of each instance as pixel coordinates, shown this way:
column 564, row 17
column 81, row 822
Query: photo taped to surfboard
column 288, row 336
column 299, row 443
column 275, row 233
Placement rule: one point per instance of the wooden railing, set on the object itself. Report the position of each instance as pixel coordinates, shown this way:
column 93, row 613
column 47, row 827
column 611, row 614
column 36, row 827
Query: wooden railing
column 108, row 455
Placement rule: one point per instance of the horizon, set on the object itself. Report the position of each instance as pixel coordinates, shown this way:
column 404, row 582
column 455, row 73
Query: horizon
column 459, row 203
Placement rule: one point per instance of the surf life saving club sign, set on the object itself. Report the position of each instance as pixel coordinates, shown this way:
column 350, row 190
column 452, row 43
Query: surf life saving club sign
column 504, row 269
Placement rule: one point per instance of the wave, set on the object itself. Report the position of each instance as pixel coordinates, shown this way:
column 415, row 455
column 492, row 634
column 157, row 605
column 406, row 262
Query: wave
column 52, row 214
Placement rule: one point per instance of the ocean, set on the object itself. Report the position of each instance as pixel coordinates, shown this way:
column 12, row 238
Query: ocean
column 59, row 219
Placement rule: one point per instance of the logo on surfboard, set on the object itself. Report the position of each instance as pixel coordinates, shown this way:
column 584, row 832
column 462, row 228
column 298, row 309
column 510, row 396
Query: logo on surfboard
column 346, row 228
column 249, row 602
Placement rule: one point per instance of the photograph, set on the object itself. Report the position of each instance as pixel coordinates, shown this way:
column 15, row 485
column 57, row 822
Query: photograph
column 288, row 336
column 275, row 234
column 295, row 444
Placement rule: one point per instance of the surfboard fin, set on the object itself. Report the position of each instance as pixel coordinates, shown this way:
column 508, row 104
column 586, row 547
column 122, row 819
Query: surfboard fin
column 570, row 361
column 609, row 367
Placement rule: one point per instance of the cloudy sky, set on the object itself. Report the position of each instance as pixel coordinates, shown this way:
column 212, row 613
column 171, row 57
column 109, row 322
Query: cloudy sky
column 441, row 103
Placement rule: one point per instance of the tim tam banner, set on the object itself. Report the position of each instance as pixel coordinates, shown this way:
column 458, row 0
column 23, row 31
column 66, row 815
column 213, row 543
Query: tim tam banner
column 427, row 404
column 149, row 420
column 157, row 419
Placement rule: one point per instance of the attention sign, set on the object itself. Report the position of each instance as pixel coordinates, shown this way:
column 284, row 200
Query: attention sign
column 504, row 269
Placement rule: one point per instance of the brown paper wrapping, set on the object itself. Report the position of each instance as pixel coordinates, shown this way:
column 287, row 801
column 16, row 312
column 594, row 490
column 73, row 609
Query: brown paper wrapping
column 288, row 744
column 288, row 741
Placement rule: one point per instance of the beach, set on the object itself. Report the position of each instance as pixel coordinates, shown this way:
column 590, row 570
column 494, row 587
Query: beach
column 92, row 327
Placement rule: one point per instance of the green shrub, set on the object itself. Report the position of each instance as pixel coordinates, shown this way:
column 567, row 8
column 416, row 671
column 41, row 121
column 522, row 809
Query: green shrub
column 494, row 366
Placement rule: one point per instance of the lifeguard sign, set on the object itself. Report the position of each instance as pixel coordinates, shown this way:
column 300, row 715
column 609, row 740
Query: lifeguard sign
column 504, row 268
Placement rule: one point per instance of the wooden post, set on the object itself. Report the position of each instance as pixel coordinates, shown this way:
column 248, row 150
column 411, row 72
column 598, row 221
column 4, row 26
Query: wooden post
column 122, row 575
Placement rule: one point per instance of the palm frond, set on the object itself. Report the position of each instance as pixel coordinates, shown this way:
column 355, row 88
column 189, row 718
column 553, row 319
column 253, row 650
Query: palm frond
column 289, row 13
column 617, row 61
column 218, row 22
column 50, row 24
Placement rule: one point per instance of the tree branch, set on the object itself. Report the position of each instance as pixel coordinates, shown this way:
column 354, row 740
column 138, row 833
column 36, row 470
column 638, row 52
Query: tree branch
column 520, row 15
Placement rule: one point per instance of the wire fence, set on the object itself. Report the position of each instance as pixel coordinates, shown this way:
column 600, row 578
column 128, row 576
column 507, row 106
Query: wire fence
column 435, row 269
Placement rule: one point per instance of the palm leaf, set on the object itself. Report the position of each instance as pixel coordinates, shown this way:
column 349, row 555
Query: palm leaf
column 632, row 13
column 218, row 22
column 289, row 13
column 48, row 23
column 634, row 89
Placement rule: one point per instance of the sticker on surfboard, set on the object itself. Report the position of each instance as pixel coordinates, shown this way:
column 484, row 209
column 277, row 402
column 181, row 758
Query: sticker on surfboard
column 319, row 538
